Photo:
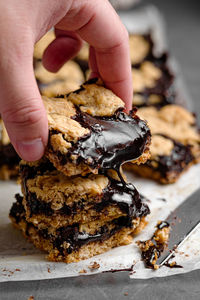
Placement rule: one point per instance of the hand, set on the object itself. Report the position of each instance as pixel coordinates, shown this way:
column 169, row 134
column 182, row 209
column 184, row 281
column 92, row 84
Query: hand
column 23, row 23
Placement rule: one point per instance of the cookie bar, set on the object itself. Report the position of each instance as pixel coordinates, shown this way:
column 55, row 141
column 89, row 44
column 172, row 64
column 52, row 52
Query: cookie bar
column 175, row 143
column 9, row 159
column 67, row 79
column 153, row 83
column 52, row 198
column 71, row 244
column 86, row 132
column 76, row 218
column 141, row 48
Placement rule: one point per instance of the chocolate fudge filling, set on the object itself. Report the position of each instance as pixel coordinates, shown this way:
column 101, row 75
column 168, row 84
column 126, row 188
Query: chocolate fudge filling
column 70, row 234
column 125, row 197
column 180, row 157
column 77, row 239
column 111, row 142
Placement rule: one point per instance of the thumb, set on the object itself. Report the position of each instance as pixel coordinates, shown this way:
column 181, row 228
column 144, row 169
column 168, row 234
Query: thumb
column 21, row 106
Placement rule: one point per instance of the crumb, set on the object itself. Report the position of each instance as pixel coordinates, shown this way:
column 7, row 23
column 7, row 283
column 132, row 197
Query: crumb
column 82, row 271
column 94, row 266
column 17, row 270
column 126, row 294
column 187, row 255
column 31, row 298
column 49, row 270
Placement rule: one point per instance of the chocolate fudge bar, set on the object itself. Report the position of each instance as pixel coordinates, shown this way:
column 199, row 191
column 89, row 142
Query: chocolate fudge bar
column 76, row 218
column 9, row 159
column 153, row 83
column 67, row 79
column 87, row 132
column 175, row 143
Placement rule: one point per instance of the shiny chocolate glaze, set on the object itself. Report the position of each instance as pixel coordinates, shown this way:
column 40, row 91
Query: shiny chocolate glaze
column 111, row 141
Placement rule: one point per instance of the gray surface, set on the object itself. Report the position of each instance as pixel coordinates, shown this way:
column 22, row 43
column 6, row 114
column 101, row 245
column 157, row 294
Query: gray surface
column 183, row 26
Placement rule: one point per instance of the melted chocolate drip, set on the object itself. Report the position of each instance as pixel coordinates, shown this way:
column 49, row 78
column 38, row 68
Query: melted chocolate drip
column 112, row 140
column 125, row 197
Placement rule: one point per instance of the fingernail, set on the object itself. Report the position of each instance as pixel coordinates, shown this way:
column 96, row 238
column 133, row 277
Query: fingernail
column 30, row 150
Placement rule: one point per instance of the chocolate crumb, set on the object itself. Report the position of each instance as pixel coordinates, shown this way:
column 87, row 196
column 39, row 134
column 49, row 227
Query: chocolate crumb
column 94, row 266
column 82, row 271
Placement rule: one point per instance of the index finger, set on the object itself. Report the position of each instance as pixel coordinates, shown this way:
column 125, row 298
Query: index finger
column 97, row 23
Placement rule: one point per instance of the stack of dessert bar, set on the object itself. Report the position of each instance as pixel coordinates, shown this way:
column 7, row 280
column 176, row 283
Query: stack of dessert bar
column 76, row 202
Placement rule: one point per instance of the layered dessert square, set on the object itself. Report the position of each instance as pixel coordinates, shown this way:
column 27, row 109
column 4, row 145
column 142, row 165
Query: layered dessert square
column 9, row 159
column 175, row 143
column 75, row 201
column 76, row 218
column 88, row 132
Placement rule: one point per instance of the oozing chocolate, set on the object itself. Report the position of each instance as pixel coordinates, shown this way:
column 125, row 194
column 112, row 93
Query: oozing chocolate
column 111, row 141
column 125, row 197
column 180, row 157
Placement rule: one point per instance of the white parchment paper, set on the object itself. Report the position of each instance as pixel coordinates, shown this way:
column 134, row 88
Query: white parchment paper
column 19, row 260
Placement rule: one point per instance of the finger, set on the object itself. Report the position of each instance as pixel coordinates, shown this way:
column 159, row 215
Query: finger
column 22, row 108
column 97, row 23
column 66, row 45
column 93, row 63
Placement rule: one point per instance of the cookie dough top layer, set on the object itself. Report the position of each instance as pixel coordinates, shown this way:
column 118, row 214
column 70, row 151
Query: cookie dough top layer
column 66, row 80
column 42, row 44
column 146, row 76
column 173, row 121
column 69, row 71
column 89, row 129
column 4, row 138
column 139, row 48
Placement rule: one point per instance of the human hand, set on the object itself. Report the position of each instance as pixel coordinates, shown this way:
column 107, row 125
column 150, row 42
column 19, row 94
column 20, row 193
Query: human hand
column 22, row 24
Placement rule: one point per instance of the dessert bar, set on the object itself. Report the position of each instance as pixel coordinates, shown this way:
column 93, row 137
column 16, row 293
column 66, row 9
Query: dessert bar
column 67, row 79
column 76, row 218
column 86, row 131
column 175, row 143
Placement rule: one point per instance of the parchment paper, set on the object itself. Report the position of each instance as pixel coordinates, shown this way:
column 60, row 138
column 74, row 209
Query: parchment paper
column 19, row 260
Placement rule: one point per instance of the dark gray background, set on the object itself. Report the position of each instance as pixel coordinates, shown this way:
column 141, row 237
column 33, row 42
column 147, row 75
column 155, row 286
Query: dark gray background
column 183, row 29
